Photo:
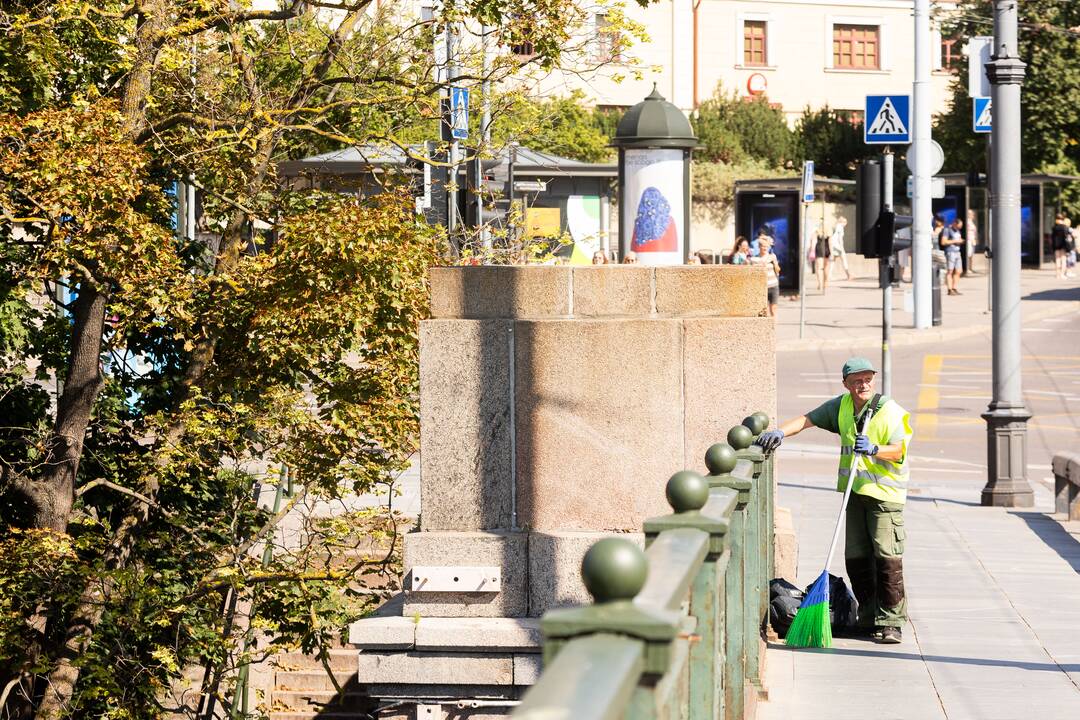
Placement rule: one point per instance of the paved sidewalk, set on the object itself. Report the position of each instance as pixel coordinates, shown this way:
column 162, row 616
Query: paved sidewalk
column 849, row 314
column 994, row 600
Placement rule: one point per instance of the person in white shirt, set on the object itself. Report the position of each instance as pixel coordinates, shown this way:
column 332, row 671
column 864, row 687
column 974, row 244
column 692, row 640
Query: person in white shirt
column 836, row 244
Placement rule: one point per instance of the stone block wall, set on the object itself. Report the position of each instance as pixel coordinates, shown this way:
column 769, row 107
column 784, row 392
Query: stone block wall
column 558, row 400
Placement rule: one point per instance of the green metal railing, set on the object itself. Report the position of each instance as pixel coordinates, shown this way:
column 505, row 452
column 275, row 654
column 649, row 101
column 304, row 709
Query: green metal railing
column 674, row 631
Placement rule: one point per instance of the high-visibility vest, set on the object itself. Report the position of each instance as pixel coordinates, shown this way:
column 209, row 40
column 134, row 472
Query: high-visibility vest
column 875, row 477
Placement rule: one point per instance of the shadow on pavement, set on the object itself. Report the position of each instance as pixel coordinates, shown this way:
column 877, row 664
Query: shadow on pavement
column 911, row 496
column 1065, row 293
column 1055, row 536
column 986, row 662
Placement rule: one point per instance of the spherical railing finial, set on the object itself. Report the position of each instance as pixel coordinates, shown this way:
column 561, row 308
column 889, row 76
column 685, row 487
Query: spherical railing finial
column 720, row 459
column 614, row 569
column 764, row 420
column 754, row 424
column 687, row 490
column 740, row 437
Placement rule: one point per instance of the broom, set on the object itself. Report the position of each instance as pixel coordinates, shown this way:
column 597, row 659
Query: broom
column 811, row 627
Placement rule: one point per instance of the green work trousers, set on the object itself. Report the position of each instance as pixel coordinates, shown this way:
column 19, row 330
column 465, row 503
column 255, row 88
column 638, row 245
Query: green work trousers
column 874, row 549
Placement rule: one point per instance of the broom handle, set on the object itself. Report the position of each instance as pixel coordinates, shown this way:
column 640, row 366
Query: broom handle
column 847, row 494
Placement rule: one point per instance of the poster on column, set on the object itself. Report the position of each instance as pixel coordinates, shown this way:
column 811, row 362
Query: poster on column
column 655, row 205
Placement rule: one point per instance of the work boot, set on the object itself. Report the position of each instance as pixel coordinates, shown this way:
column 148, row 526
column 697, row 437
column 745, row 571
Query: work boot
column 890, row 635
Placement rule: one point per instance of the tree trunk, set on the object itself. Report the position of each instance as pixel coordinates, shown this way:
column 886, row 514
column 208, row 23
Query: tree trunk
column 51, row 496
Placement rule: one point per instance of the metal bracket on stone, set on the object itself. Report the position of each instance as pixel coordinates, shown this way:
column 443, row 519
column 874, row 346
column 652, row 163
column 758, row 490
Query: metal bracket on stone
column 456, row 579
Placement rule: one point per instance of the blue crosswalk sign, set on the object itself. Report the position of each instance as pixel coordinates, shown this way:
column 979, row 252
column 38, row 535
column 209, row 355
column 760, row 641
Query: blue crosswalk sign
column 982, row 115
column 459, row 113
column 887, row 120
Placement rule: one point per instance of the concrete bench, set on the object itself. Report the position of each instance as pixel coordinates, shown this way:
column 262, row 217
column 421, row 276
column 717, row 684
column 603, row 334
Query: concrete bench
column 1067, row 484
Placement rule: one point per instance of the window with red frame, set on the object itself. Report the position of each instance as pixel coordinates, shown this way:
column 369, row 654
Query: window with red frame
column 857, row 47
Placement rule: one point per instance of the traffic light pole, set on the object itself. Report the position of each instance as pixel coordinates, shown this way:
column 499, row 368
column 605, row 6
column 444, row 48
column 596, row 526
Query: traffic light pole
column 1006, row 417
column 885, row 275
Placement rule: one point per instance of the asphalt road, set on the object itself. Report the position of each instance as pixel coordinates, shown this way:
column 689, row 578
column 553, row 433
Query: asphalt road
column 946, row 386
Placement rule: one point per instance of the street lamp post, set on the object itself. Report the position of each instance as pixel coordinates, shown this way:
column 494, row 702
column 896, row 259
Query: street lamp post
column 1006, row 417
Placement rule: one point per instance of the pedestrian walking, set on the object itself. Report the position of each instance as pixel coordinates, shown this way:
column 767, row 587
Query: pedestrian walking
column 599, row 258
column 875, row 533
column 836, row 246
column 767, row 259
column 630, row 258
column 952, row 242
column 1060, row 238
column 822, row 262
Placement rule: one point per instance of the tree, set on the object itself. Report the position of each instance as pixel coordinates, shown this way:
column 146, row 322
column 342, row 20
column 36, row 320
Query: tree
column 833, row 140
column 150, row 381
column 562, row 126
column 1049, row 95
column 733, row 129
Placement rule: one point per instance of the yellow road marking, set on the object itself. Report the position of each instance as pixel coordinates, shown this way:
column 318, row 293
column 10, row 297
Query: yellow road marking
column 926, row 423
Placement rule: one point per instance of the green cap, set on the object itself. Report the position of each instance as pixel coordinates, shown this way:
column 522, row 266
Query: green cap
column 857, row 364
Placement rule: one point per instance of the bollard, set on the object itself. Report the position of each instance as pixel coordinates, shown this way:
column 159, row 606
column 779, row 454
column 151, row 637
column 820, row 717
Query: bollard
column 721, row 460
column 695, row 506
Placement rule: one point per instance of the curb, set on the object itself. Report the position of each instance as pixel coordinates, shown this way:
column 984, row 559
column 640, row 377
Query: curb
column 909, row 336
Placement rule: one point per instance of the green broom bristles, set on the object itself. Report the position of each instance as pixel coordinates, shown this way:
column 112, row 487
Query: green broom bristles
column 812, row 627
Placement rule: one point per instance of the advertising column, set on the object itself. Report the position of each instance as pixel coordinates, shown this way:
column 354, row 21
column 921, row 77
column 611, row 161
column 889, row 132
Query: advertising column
column 654, row 206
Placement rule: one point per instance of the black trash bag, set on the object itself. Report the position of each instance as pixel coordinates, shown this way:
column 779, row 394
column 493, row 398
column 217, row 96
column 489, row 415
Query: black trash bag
column 843, row 607
column 784, row 601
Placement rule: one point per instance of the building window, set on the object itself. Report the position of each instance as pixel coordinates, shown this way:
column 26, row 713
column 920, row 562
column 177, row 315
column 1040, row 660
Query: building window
column 607, row 39
column 857, row 47
column 951, row 57
column 523, row 48
column 755, row 43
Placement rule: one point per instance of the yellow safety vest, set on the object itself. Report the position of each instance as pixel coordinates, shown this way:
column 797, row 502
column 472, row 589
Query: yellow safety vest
column 874, row 476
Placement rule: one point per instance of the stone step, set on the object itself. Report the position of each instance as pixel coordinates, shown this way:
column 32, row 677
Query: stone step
column 321, row 701
column 343, row 659
column 452, row 634
column 311, row 679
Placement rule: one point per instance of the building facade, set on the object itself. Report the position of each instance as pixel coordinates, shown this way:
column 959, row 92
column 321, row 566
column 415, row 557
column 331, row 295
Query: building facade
column 796, row 53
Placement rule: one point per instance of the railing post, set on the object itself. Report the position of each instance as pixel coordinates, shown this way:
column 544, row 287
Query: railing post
column 721, row 461
column 755, row 594
column 688, row 493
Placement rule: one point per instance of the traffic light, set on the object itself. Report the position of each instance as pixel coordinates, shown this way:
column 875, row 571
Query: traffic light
column 868, row 187
column 885, row 232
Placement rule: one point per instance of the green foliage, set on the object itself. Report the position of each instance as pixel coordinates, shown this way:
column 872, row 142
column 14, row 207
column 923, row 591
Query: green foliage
column 713, row 186
column 562, row 126
column 733, row 130
column 1049, row 95
column 833, row 140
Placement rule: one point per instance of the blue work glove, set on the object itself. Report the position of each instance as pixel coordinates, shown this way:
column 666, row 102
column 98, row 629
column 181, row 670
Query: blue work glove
column 863, row 446
column 770, row 440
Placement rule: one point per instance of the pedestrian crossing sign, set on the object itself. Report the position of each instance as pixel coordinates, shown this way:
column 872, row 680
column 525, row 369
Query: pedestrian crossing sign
column 459, row 113
column 887, row 120
column 982, row 115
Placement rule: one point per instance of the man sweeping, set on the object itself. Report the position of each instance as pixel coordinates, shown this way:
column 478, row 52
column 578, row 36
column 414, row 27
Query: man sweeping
column 874, row 542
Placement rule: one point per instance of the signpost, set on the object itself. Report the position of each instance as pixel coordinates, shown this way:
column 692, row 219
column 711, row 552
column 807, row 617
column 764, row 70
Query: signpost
column 807, row 198
column 459, row 113
column 982, row 114
column 979, row 49
column 888, row 120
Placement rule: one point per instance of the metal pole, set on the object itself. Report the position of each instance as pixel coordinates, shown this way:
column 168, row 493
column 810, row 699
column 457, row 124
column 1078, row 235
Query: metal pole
column 485, row 134
column 989, row 225
column 802, row 268
column 886, row 286
column 453, row 159
column 511, row 224
column 1006, row 417
column 921, row 207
